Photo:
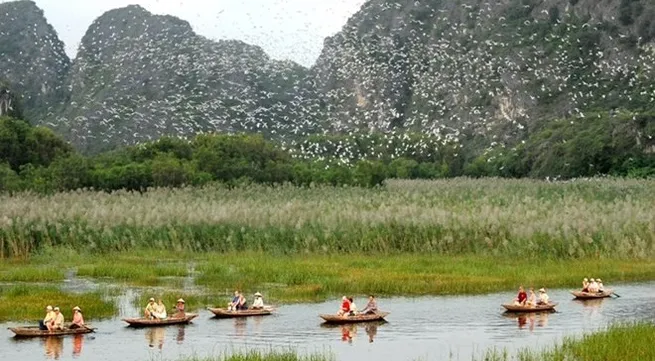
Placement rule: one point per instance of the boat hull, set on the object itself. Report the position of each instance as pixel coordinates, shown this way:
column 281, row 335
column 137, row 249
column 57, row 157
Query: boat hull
column 528, row 309
column 223, row 313
column 142, row 322
column 591, row 296
column 354, row 319
column 34, row 331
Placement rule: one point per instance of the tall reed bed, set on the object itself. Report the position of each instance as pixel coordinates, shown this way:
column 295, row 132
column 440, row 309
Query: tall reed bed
column 618, row 342
column 523, row 218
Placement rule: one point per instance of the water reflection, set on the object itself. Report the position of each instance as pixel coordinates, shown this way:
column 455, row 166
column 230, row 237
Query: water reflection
column 349, row 331
column 240, row 324
column 155, row 337
column 54, row 347
column 530, row 320
column 593, row 304
column 78, row 340
column 180, row 334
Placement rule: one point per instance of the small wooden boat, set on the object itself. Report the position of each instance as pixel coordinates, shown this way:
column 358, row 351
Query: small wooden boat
column 590, row 296
column 510, row 307
column 144, row 322
column 354, row 319
column 34, row 331
column 223, row 313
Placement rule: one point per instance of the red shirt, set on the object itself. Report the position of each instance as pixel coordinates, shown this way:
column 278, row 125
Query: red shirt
column 345, row 305
column 522, row 297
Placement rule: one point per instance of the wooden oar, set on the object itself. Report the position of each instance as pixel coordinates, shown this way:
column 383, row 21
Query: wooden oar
column 616, row 294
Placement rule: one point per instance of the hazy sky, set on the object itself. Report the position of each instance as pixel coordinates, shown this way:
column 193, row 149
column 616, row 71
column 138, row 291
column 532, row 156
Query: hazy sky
column 285, row 29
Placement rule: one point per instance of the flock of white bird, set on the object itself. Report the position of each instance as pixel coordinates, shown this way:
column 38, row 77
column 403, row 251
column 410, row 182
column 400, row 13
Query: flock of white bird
column 442, row 71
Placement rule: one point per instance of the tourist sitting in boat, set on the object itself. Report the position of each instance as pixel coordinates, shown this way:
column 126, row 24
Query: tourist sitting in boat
column 593, row 286
column 353, row 308
column 601, row 288
column 585, row 285
column 151, row 309
column 258, row 303
column 179, row 308
column 243, row 304
column 532, row 299
column 232, row 305
column 345, row 306
column 159, row 310
column 49, row 317
column 521, row 298
column 78, row 319
column 58, row 322
column 238, row 302
column 543, row 297
column 371, row 306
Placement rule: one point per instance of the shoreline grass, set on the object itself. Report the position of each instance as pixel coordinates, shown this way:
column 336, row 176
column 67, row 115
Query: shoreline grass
column 621, row 342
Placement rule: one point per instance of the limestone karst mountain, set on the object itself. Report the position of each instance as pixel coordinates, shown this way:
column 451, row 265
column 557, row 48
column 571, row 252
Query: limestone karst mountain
column 490, row 68
column 138, row 76
column 476, row 71
column 33, row 62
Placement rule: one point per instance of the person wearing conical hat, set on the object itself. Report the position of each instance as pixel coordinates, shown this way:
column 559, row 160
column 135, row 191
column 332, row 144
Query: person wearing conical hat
column 179, row 307
column 543, row 297
column 78, row 319
column 258, row 303
column 601, row 288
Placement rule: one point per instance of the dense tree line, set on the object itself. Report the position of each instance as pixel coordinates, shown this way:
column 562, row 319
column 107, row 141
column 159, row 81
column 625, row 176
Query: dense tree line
column 34, row 158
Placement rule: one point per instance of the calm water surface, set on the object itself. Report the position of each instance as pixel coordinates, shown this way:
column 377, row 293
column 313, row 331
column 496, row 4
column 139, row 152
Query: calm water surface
column 426, row 328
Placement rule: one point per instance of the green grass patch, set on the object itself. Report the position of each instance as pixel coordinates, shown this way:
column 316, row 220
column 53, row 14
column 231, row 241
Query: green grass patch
column 318, row 277
column 30, row 272
column 28, row 302
column 255, row 355
column 315, row 277
column 133, row 269
column 625, row 342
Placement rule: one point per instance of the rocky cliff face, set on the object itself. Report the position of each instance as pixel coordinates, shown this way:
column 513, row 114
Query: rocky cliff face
column 465, row 69
column 33, row 62
column 139, row 76
column 489, row 68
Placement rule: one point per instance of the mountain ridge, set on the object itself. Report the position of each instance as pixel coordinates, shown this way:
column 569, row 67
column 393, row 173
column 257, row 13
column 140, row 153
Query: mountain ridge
column 461, row 71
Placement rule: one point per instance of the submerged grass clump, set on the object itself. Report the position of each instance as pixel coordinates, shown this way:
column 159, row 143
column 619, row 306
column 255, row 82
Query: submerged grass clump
column 523, row 218
column 255, row 355
column 625, row 342
column 28, row 302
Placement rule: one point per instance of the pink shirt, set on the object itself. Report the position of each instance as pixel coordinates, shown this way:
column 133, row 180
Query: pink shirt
column 78, row 319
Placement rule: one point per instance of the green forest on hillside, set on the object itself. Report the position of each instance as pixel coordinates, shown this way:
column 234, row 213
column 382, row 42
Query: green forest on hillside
column 34, row 158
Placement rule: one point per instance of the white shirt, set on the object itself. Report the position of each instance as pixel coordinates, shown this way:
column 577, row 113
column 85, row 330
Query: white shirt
column 593, row 287
column 258, row 303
